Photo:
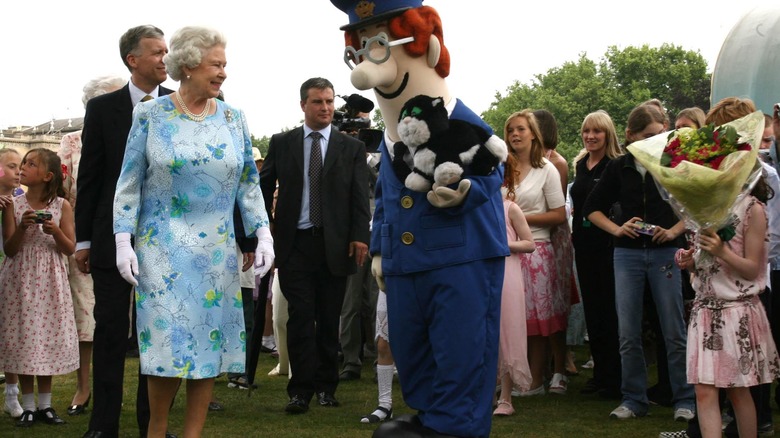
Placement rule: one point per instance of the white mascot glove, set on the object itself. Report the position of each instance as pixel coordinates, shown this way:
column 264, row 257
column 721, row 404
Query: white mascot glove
column 264, row 256
column 376, row 271
column 444, row 197
column 126, row 260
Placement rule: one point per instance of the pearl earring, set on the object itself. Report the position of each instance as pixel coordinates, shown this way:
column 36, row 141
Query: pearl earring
column 188, row 76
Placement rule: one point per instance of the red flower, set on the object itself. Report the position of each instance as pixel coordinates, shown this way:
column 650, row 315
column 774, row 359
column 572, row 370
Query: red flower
column 715, row 162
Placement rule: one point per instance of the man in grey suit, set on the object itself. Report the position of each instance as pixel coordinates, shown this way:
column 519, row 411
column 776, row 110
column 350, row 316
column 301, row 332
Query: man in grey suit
column 320, row 227
column 106, row 126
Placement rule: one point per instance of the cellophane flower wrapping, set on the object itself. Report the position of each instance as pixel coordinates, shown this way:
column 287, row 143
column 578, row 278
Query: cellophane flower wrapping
column 700, row 195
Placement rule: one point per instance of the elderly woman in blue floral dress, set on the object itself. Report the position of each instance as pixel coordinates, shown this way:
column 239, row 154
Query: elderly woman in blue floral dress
column 188, row 161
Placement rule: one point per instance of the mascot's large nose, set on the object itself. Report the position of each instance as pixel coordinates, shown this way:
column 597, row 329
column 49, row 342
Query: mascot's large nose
column 367, row 75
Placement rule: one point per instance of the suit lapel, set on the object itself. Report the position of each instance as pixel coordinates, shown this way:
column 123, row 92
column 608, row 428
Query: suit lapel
column 335, row 146
column 124, row 110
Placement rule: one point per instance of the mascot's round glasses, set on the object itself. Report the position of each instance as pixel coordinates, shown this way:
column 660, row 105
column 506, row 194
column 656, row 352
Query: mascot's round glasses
column 353, row 57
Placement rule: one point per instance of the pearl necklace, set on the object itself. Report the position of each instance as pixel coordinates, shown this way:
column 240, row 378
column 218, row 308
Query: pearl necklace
column 195, row 117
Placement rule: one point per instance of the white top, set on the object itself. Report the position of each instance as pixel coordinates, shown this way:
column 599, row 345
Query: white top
column 540, row 192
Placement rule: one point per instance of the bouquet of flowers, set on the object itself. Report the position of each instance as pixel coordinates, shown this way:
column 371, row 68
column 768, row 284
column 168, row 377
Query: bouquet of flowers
column 704, row 172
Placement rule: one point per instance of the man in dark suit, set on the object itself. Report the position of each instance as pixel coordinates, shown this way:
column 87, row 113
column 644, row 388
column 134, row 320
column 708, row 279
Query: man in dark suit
column 106, row 126
column 321, row 235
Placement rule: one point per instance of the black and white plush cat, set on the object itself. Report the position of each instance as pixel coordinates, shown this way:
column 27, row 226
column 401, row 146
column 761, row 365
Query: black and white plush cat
column 441, row 148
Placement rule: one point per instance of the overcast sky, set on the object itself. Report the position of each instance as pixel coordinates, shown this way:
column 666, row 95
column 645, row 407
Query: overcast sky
column 51, row 49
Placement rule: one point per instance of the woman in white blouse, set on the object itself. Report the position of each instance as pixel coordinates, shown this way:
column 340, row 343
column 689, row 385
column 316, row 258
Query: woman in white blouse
column 535, row 185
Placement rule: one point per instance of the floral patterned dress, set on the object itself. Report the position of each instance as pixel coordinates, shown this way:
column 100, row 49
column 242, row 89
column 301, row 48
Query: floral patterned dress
column 729, row 340
column 36, row 318
column 179, row 183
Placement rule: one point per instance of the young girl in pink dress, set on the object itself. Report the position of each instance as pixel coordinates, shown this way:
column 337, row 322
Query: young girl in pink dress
column 37, row 322
column 729, row 342
column 513, row 343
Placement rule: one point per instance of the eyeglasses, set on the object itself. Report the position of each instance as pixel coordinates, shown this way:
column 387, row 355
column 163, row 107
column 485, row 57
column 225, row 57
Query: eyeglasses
column 352, row 57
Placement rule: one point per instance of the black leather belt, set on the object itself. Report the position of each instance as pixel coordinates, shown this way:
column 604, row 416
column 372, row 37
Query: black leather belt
column 313, row 231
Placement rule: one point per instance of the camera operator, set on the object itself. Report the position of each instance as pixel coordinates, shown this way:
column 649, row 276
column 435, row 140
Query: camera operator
column 358, row 313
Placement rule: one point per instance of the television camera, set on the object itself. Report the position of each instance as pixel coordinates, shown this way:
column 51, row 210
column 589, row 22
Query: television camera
column 352, row 119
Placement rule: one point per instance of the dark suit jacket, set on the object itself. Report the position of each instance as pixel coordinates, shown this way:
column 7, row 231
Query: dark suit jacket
column 345, row 211
column 106, row 125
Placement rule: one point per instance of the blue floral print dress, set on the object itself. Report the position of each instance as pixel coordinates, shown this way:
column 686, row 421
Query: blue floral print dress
column 179, row 183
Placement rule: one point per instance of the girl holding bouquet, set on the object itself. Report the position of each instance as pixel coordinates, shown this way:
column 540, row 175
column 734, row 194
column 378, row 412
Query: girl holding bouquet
column 643, row 254
column 729, row 341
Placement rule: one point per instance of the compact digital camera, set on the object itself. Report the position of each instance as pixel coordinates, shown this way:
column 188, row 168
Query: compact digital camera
column 41, row 216
column 644, row 228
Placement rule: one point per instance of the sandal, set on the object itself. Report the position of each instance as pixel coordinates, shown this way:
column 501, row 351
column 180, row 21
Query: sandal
column 379, row 415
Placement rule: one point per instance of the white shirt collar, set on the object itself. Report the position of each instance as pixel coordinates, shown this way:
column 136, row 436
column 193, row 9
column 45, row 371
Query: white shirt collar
column 136, row 94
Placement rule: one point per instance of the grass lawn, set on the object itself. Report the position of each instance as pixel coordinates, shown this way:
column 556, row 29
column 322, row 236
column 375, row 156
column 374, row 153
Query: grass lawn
column 262, row 414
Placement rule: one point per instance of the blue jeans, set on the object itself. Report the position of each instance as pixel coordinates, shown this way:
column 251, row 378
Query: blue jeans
column 634, row 267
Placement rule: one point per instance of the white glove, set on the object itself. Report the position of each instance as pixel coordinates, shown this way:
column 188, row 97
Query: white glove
column 126, row 260
column 264, row 256
column 444, row 197
column 376, row 271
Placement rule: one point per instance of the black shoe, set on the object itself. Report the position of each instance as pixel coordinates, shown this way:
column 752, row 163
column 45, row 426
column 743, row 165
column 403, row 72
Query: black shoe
column 98, row 434
column 216, row 406
column 49, row 416
column 660, row 395
column 169, row 435
column 349, row 375
column 240, row 382
column 327, row 399
column 79, row 409
column 591, row 387
column 26, row 420
column 413, row 429
column 296, row 405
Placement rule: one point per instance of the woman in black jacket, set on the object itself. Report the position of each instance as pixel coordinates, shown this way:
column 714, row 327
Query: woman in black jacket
column 646, row 235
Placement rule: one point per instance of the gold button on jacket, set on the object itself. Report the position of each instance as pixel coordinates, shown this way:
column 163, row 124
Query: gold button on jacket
column 407, row 238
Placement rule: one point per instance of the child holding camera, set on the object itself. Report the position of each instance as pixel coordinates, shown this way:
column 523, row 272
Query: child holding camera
column 37, row 322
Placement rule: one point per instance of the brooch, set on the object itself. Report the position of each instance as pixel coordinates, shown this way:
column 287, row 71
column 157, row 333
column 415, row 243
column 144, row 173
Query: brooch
column 228, row 115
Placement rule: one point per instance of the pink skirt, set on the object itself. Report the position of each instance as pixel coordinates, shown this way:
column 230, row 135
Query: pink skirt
column 546, row 302
column 731, row 345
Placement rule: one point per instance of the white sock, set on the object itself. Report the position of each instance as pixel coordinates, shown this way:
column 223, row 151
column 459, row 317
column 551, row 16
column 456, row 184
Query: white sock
column 384, row 377
column 28, row 401
column 268, row 341
column 44, row 400
column 11, row 390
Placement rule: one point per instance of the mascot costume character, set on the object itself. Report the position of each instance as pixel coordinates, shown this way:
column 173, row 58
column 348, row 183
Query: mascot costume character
column 439, row 254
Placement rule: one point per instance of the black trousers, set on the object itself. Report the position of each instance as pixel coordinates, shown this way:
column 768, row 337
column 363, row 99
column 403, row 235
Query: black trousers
column 596, row 275
column 113, row 297
column 314, row 296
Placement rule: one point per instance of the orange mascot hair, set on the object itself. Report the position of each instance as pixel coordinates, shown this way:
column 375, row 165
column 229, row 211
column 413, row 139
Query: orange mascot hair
column 420, row 23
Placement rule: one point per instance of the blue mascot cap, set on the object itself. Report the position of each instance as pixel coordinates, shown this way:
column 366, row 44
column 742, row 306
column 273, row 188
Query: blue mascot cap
column 365, row 12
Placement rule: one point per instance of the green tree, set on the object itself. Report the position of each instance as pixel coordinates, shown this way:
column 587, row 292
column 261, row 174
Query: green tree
column 261, row 143
column 618, row 82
